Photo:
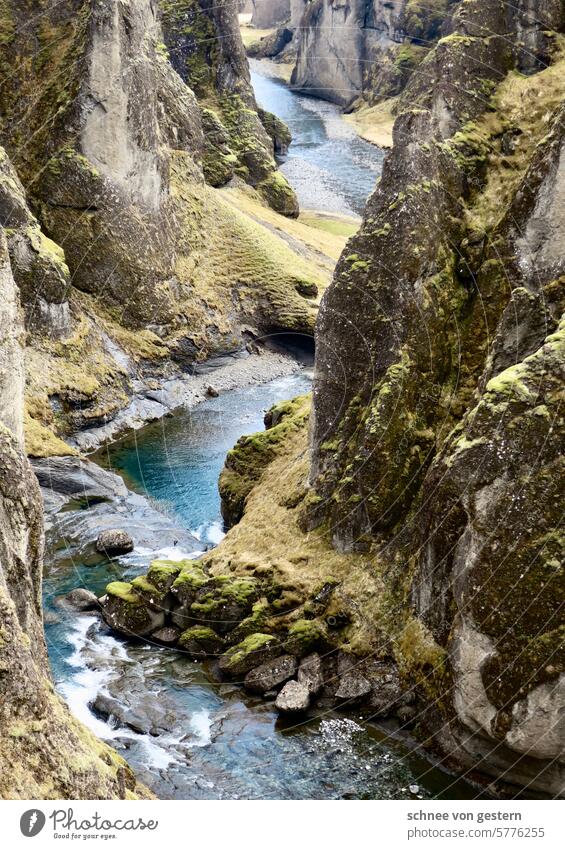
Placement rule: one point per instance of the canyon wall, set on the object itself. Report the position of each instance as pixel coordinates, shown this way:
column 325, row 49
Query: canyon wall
column 44, row 751
column 364, row 48
column 437, row 430
column 120, row 120
column 270, row 13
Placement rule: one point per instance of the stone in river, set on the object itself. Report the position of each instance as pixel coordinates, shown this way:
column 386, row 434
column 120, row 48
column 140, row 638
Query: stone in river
column 113, row 542
column 293, row 698
column 271, row 674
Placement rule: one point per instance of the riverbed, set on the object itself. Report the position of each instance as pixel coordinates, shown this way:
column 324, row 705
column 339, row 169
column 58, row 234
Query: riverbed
column 187, row 734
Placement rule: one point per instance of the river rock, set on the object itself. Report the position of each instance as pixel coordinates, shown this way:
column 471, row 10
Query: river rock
column 293, row 698
column 352, row 687
column 310, row 673
column 125, row 611
column 212, row 392
column 253, row 650
column 199, row 641
column 82, row 599
column 114, row 542
column 271, row 674
column 168, row 635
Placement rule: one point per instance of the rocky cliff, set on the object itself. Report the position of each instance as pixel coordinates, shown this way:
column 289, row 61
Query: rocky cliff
column 130, row 264
column 437, row 428
column 270, row 13
column 44, row 751
column 364, row 48
column 415, row 556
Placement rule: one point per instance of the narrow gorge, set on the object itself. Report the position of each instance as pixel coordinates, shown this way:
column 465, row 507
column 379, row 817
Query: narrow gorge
column 280, row 423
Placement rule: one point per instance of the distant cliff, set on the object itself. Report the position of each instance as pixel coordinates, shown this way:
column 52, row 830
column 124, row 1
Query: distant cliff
column 440, row 355
column 363, row 47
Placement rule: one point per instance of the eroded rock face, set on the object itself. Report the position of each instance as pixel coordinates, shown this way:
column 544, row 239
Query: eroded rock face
column 439, row 363
column 116, row 240
column 338, row 44
column 44, row 752
column 293, row 698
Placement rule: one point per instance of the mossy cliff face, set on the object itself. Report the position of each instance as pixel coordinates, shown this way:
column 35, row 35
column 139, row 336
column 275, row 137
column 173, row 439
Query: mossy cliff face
column 364, row 50
column 205, row 48
column 439, row 360
column 44, row 752
column 129, row 264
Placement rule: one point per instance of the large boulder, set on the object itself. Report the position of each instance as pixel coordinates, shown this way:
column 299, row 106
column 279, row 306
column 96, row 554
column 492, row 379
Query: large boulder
column 114, row 542
column 270, row 675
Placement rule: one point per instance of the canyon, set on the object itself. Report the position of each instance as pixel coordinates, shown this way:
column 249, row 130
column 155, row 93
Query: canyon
column 393, row 540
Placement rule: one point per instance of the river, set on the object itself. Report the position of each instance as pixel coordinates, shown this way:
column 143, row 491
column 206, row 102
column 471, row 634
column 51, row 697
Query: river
column 187, row 734
column 328, row 165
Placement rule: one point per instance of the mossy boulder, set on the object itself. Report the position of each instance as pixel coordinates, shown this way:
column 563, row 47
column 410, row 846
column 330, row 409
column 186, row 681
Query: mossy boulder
column 201, row 642
column 278, row 131
column 306, row 636
column 127, row 612
column 250, row 653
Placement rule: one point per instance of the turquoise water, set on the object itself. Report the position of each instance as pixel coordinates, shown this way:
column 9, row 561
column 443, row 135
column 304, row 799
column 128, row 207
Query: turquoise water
column 187, row 734
column 212, row 740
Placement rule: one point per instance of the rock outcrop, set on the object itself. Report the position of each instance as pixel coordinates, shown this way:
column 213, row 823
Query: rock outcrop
column 437, row 429
column 130, row 266
column 363, row 52
column 44, row 751
column 424, row 558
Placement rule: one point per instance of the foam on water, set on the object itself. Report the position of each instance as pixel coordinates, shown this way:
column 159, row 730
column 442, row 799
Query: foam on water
column 91, row 651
